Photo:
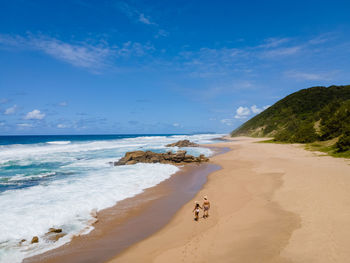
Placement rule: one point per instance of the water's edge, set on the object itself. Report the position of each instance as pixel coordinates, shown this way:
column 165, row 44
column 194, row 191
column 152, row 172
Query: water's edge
column 135, row 218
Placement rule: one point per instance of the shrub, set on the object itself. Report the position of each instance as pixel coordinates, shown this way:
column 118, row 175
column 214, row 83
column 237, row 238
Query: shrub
column 343, row 143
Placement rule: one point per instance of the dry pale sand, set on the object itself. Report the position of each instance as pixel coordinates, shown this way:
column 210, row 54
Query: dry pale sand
column 270, row 203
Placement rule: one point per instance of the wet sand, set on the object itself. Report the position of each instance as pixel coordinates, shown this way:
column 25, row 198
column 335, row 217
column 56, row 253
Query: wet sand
column 270, row 203
column 133, row 219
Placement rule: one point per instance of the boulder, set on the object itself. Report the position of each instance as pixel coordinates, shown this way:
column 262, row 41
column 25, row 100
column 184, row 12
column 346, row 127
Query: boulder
column 35, row 239
column 55, row 230
column 180, row 157
column 183, row 143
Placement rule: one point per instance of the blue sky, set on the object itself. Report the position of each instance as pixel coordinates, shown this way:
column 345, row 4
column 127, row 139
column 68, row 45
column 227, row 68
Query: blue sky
column 78, row 67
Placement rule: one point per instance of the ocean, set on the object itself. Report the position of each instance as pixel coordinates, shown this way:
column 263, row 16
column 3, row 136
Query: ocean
column 58, row 181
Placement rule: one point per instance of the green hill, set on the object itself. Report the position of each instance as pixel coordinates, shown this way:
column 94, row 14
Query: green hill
column 309, row 115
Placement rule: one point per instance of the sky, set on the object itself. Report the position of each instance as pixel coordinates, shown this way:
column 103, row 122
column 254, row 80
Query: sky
column 117, row 67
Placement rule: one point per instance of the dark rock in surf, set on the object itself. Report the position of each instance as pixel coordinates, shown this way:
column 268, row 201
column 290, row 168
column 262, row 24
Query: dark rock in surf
column 178, row 158
column 35, row 239
column 55, row 230
column 183, row 143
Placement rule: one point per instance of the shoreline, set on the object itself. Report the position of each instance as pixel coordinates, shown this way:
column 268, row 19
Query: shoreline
column 122, row 225
column 270, row 203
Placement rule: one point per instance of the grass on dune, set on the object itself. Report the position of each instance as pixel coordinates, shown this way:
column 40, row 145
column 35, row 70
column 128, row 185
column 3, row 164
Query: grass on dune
column 327, row 147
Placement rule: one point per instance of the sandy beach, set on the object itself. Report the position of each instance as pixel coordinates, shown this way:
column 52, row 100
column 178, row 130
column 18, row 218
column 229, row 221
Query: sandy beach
column 132, row 219
column 270, row 203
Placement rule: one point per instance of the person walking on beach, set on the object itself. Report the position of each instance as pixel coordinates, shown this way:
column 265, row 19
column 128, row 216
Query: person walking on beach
column 206, row 207
column 196, row 210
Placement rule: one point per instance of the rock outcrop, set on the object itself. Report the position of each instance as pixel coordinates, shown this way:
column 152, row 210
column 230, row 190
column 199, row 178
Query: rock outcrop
column 177, row 158
column 183, row 143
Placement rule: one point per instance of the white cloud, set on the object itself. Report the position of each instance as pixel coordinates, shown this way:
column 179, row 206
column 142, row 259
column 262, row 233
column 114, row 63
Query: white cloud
column 11, row 110
column 61, row 126
column 176, row 124
column 255, row 109
column 242, row 112
column 35, row 115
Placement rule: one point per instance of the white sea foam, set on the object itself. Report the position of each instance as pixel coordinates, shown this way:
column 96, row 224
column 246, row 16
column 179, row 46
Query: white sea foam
column 68, row 203
column 59, row 142
column 21, row 177
column 90, row 183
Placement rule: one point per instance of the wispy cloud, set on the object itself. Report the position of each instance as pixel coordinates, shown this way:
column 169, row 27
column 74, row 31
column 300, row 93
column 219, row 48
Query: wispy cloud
column 138, row 16
column 323, row 38
column 11, row 110
column 134, row 49
column 134, row 14
column 301, row 76
column 161, row 33
column 280, row 52
column 145, row 20
column 82, row 55
column 24, row 125
column 274, row 42
column 251, row 60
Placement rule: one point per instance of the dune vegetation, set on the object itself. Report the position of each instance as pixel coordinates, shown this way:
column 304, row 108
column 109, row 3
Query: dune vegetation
column 318, row 116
